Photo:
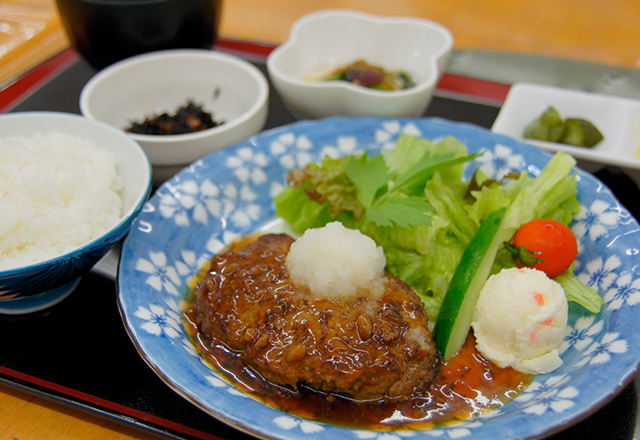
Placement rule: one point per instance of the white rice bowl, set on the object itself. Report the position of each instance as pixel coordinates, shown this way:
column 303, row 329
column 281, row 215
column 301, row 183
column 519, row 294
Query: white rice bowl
column 99, row 206
column 58, row 192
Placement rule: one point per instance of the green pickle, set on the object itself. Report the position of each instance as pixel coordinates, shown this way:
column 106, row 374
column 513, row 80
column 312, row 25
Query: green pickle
column 551, row 127
column 582, row 133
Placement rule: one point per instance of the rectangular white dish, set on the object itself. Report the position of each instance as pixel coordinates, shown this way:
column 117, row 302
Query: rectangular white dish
column 617, row 118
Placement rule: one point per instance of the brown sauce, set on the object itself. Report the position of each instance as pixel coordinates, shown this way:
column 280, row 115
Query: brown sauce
column 467, row 386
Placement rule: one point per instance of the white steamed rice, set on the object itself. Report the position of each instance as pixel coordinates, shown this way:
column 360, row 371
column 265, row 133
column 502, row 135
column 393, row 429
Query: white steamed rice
column 57, row 192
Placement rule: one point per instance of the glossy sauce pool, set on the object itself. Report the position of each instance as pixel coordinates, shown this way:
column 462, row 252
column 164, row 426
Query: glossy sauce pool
column 467, row 386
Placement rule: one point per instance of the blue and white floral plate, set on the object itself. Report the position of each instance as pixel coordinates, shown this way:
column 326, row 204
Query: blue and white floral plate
column 229, row 194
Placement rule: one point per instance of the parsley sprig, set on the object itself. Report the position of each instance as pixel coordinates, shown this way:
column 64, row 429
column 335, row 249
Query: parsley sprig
column 396, row 198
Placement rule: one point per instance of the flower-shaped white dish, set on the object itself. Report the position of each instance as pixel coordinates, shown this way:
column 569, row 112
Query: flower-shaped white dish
column 229, row 193
column 617, row 118
column 32, row 287
column 330, row 39
column 230, row 88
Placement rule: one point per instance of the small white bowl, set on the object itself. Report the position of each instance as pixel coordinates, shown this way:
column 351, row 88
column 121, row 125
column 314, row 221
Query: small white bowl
column 335, row 38
column 618, row 119
column 36, row 286
column 234, row 90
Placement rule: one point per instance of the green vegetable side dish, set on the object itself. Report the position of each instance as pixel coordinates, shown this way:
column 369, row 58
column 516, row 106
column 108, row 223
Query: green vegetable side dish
column 413, row 202
column 366, row 75
column 551, row 127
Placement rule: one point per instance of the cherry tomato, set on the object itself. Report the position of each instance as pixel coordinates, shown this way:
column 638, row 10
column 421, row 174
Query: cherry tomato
column 546, row 245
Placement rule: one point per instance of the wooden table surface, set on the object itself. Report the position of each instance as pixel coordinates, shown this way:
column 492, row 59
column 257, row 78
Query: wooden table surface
column 604, row 32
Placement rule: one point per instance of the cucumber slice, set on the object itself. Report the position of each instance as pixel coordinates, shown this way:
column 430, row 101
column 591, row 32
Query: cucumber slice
column 454, row 319
column 548, row 127
column 581, row 133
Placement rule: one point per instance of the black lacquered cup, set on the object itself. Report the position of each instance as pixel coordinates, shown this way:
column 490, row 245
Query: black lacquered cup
column 106, row 31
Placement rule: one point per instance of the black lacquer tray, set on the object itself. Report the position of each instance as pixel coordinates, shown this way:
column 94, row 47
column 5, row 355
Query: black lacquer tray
column 79, row 353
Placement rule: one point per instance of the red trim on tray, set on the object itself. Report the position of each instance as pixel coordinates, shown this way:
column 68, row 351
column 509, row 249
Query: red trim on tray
column 34, row 79
column 254, row 49
column 107, row 404
column 477, row 88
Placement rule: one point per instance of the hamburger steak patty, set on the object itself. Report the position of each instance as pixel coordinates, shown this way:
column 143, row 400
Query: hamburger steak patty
column 358, row 347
